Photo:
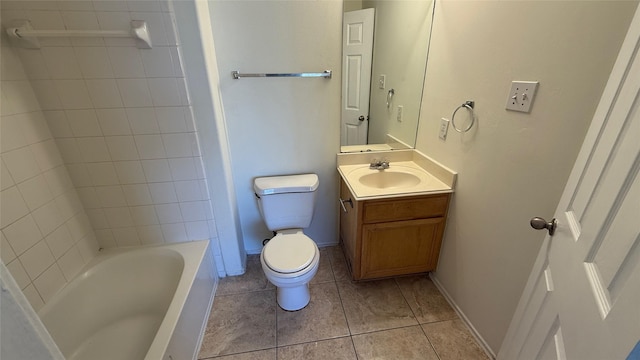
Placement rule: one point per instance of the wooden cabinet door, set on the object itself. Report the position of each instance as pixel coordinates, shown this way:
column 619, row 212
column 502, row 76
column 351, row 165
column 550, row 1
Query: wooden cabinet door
column 349, row 229
column 400, row 247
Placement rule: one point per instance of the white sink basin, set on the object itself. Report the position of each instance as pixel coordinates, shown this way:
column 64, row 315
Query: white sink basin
column 403, row 177
column 387, row 179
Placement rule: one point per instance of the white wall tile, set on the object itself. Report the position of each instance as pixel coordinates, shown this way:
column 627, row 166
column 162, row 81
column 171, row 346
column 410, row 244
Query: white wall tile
column 80, row 20
column 170, row 28
column 58, row 180
column 137, row 194
column 46, row 154
column 33, row 62
column 104, row 93
column 143, row 121
column 89, row 197
column 178, row 145
column 126, row 62
column 116, row 20
column 71, row 263
column 20, row 96
column 157, row 62
column 6, row 181
column 69, row 204
column 83, row 122
column 111, row 196
column 105, row 238
column 188, row 190
column 88, row 247
column 47, row 94
column 197, row 230
column 164, row 91
column 50, row 282
column 22, row 234
column 21, row 164
column 34, row 298
column 130, row 172
column 150, row 146
column 157, row 170
column 194, row 210
column 47, row 217
column 122, row 148
column 94, row 62
column 59, row 241
column 183, row 169
column 19, row 274
column 6, row 252
column 12, row 206
column 69, row 150
column 98, row 219
column 61, row 63
column 151, row 234
column 93, row 149
column 169, row 213
column 11, row 136
column 174, row 232
column 102, row 174
column 171, row 119
column 118, row 217
column 127, row 236
column 163, row 193
column 79, row 174
column 74, row 5
column 177, row 61
column 113, row 121
column 135, row 92
column 35, row 192
column 110, row 5
column 58, row 124
column 144, row 215
column 144, row 5
column 37, row 259
column 35, row 127
column 73, row 94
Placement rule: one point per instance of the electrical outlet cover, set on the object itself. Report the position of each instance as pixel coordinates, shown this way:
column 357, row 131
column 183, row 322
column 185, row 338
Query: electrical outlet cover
column 521, row 95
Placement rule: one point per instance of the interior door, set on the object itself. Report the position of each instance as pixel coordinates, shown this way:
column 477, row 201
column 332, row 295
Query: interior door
column 357, row 54
column 582, row 300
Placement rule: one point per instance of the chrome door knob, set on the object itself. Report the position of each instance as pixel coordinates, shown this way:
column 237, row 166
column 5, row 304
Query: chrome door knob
column 361, row 118
column 539, row 223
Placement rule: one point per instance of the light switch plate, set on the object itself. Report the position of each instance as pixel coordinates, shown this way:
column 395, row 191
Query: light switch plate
column 382, row 80
column 444, row 128
column 399, row 112
column 521, row 95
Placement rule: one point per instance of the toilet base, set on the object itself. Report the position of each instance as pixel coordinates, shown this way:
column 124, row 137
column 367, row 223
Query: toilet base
column 293, row 298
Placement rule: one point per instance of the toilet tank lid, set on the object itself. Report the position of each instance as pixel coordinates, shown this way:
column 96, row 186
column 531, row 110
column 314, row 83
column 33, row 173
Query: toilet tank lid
column 285, row 184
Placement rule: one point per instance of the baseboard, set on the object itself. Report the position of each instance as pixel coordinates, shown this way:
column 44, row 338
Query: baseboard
column 463, row 317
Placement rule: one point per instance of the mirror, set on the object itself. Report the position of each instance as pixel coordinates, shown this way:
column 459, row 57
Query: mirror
column 401, row 36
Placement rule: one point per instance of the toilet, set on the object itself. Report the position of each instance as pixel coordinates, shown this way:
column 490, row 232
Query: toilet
column 290, row 259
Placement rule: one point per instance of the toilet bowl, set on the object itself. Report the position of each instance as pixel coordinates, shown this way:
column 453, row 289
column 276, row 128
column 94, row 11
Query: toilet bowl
column 289, row 261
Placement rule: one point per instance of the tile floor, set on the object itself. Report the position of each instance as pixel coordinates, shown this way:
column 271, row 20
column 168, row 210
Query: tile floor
column 401, row 318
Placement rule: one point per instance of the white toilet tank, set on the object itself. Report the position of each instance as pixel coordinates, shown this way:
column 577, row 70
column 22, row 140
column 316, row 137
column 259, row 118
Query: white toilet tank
column 286, row 202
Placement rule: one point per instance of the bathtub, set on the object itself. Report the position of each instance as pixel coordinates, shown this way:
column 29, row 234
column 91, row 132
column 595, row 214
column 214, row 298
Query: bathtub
column 147, row 303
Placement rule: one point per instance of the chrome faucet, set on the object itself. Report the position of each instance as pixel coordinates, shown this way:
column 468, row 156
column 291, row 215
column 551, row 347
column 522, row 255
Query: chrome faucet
column 379, row 164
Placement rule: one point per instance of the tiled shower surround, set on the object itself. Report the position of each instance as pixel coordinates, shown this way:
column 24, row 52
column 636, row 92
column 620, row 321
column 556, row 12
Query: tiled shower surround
column 99, row 147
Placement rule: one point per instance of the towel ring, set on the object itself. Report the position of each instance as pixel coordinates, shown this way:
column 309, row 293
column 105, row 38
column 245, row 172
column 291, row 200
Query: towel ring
column 469, row 106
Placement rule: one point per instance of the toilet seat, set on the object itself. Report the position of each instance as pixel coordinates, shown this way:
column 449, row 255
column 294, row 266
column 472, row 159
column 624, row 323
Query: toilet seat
column 289, row 253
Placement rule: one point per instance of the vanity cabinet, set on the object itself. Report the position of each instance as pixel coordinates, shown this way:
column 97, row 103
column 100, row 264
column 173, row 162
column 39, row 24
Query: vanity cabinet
column 392, row 236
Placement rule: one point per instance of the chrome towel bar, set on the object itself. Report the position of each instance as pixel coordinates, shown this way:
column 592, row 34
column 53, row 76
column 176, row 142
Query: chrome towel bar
column 325, row 74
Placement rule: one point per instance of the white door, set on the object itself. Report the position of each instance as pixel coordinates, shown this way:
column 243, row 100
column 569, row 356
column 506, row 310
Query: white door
column 582, row 300
column 357, row 52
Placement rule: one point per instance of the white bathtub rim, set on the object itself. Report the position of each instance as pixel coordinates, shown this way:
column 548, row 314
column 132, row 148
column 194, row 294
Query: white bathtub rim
column 194, row 250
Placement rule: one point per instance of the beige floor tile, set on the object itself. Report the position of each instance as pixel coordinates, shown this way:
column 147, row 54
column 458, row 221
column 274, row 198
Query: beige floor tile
column 406, row 343
column 334, row 349
column 427, row 303
column 374, row 305
column 452, row 340
column 324, row 274
column 339, row 263
column 322, row 319
column 241, row 323
column 269, row 354
column 252, row 280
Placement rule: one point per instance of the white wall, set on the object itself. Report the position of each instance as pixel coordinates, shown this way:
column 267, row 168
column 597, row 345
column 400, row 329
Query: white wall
column 46, row 234
column 401, row 43
column 281, row 125
column 511, row 166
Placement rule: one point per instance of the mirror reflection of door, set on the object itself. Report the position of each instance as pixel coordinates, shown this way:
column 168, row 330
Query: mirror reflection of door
column 357, row 53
